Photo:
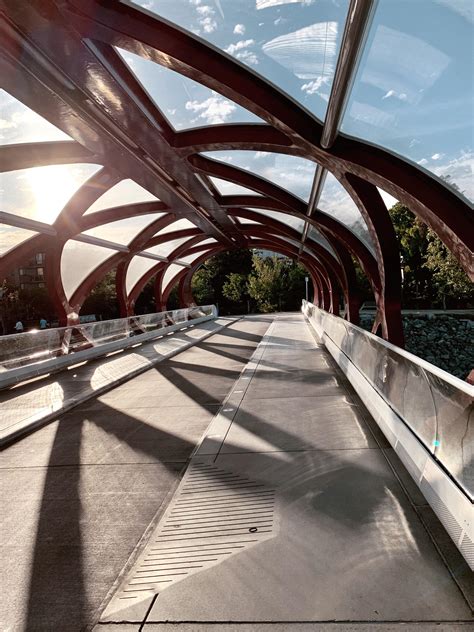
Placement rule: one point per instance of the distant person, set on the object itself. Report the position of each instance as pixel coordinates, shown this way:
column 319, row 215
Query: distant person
column 43, row 323
column 19, row 327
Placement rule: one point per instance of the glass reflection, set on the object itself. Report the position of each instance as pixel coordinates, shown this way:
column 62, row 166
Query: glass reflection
column 184, row 102
column 292, row 43
column 413, row 92
column 288, row 172
column 78, row 260
column 335, row 201
column 123, row 193
column 137, row 268
column 125, row 230
column 19, row 124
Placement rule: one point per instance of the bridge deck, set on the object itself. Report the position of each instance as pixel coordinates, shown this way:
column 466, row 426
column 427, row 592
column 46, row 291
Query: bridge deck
column 289, row 510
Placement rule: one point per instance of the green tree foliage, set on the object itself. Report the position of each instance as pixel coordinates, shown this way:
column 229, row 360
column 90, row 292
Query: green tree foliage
column 432, row 275
column 235, row 288
column 102, row 301
column 276, row 284
column 412, row 238
column 449, row 281
column 209, row 280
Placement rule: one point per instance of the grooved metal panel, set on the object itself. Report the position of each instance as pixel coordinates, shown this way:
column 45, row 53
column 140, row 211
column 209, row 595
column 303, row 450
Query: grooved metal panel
column 216, row 513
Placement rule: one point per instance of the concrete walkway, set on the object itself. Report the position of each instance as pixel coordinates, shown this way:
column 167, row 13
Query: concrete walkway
column 289, row 512
column 78, row 494
column 288, row 516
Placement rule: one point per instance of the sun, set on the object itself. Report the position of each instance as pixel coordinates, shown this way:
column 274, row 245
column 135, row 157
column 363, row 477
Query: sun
column 51, row 187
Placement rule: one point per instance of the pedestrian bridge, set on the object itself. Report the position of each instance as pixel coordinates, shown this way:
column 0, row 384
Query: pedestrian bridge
column 284, row 469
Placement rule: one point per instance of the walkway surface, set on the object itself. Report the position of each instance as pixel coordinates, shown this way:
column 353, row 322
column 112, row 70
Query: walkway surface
column 35, row 401
column 288, row 515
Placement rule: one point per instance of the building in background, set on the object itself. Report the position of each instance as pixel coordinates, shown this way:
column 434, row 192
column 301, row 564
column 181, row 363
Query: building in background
column 30, row 275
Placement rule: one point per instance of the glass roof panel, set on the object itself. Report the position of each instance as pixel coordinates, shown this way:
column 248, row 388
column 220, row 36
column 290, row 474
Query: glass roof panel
column 292, row 43
column 138, row 266
column 211, row 240
column 41, row 193
column 245, row 221
column 78, row 260
column 11, row 236
column 184, row 102
column 225, row 187
column 171, row 271
column 123, row 230
column 387, row 198
column 123, row 193
column 413, row 92
column 289, row 220
column 335, row 201
column 166, row 248
column 20, row 124
column 289, row 172
column 192, row 258
column 179, row 224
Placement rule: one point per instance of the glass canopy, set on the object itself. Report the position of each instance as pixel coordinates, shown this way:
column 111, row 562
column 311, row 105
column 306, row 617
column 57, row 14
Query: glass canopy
column 78, row 260
column 123, row 193
column 292, row 43
column 41, row 193
column 335, row 201
column 124, row 231
column 166, row 248
column 289, row 172
column 19, row 124
column 180, row 224
column 190, row 259
column 171, row 271
column 297, row 224
column 137, row 268
column 225, row 187
column 184, row 102
column 11, row 236
column 413, row 90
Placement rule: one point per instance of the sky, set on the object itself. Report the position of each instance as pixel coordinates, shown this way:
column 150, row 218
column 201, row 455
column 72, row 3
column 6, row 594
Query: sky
column 412, row 94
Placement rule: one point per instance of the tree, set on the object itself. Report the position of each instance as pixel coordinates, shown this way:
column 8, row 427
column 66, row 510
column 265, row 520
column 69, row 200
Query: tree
column 448, row 278
column 235, row 288
column 102, row 301
column 412, row 239
column 266, row 284
column 208, row 282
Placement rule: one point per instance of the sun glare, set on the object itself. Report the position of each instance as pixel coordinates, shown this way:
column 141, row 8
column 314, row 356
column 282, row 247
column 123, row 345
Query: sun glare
column 51, row 187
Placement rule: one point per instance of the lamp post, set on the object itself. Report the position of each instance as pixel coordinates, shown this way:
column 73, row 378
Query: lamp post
column 306, row 279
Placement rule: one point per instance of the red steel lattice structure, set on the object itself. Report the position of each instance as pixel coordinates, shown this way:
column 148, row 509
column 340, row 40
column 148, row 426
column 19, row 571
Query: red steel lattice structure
column 59, row 59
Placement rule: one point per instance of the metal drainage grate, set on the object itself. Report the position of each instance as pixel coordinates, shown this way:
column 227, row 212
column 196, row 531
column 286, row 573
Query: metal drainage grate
column 214, row 515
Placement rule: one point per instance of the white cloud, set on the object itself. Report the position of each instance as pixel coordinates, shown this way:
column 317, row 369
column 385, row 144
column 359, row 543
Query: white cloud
column 422, row 162
column 315, row 86
column 437, row 156
column 213, row 110
column 208, row 24
column 248, row 57
column 205, row 10
column 233, row 48
column 171, row 111
column 239, row 29
column 261, row 154
column 195, row 2
column 460, row 171
column 392, row 93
